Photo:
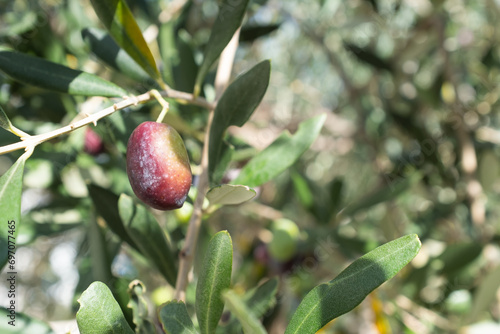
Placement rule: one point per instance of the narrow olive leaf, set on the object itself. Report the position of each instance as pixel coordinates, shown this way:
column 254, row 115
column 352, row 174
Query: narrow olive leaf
column 11, row 185
column 175, row 319
column 235, row 107
column 249, row 33
column 281, row 154
column 105, row 48
column 388, row 192
column 259, row 299
column 262, row 298
column 100, row 313
column 214, row 277
column 228, row 21
column 106, row 204
column 118, row 19
column 228, row 194
column 330, row 300
column 14, row 322
column 139, row 307
column 245, row 315
column 143, row 228
column 45, row 74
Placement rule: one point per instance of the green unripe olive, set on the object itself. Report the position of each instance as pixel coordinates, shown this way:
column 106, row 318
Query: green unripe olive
column 158, row 166
column 283, row 245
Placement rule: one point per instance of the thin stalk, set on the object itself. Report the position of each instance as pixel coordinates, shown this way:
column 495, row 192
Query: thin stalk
column 186, row 255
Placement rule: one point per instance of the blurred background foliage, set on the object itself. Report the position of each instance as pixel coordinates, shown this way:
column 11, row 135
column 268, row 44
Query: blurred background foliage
column 410, row 145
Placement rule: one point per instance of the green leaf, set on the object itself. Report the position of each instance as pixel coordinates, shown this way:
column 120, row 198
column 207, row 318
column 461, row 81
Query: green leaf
column 105, row 48
column 22, row 323
column 302, row 190
column 106, row 204
column 228, row 21
column 281, row 154
column 228, row 194
column 118, row 19
column 7, row 125
column 100, row 313
column 179, row 66
column 391, row 190
column 11, row 185
column 169, row 53
column 244, row 314
column 143, row 228
column 330, row 300
column 45, row 74
column 214, row 277
column 234, row 108
column 5, row 121
column 249, row 33
column 259, row 299
column 139, row 307
column 263, row 297
column 175, row 319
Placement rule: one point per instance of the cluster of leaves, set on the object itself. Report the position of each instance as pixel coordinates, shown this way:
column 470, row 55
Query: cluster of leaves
column 120, row 305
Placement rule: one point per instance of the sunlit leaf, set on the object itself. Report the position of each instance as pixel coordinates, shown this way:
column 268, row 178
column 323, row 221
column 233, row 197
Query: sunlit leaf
column 11, row 185
column 228, row 21
column 330, row 300
column 118, row 19
column 214, row 277
column 48, row 75
column 175, row 319
column 281, row 154
column 100, row 313
column 235, row 107
column 228, row 194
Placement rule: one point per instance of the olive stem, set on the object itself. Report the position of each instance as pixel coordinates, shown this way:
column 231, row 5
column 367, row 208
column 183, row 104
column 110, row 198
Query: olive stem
column 186, row 255
column 164, row 105
column 32, row 141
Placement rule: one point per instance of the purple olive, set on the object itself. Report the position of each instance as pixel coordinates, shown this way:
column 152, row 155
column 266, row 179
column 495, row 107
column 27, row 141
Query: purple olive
column 158, row 166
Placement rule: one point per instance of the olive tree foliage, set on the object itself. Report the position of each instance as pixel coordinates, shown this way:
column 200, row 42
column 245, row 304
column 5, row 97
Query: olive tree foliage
column 77, row 79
